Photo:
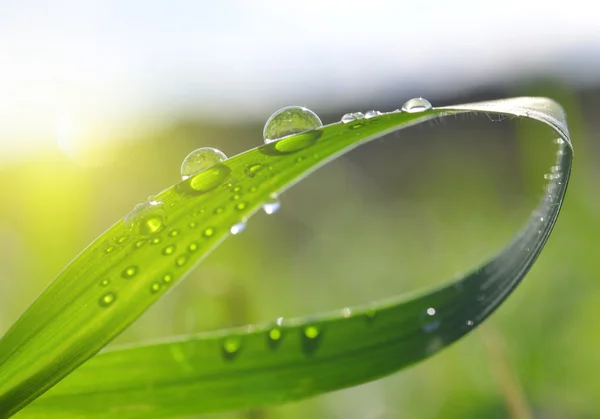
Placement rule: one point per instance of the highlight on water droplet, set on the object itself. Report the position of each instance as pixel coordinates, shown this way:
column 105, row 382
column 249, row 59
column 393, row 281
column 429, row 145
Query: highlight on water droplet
column 272, row 205
column 129, row 272
column 238, row 228
column 107, row 299
column 201, row 159
column 430, row 321
column 417, row 104
column 231, row 347
column 288, row 121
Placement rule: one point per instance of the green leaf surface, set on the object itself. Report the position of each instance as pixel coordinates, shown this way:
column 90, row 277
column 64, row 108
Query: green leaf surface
column 131, row 265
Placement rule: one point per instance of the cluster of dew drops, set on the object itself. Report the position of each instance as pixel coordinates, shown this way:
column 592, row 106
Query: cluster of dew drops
column 285, row 122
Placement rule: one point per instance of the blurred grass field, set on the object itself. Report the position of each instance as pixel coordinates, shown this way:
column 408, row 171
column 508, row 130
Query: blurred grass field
column 430, row 202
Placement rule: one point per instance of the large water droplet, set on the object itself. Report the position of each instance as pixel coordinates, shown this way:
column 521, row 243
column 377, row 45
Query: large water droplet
column 272, row 205
column 288, row 121
column 107, row 299
column 237, row 228
column 147, row 217
column 417, row 104
column 205, row 181
column 201, row 159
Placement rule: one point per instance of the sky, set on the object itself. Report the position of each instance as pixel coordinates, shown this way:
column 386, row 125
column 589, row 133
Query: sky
column 97, row 67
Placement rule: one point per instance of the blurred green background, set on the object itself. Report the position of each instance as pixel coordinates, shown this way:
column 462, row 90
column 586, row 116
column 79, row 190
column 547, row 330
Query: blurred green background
column 411, row 210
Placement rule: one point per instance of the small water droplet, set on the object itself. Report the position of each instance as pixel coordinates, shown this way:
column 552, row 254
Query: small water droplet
column 237, row 189
column 241, row 206
column 174, row 233
column 201, row 159
column 346, row 312
column 140, row 243
column 274, row 336
column 231, row 347
column 311, row 332
column 253, row 189
column 193, row 224
column 155, row 287
column 272, row 205
column 288, row 121
column 208, row 232
column 252, row 169
column 470, row 323
column 372, row 114
column 417, row 104
column 430, row 322
column 238, row 228
column 370, row 313
column 218, row 210
column 104, row 282
column 148, row 218
column 155, row 240
column 351, row 117
column 193, row 247
column 109, row 249
column 181, row 260
column 235, row 197
column 167, row 278
column 311, row 337
column 107, row 299
column 169, row 250
column 129, row 272
column 122, row 239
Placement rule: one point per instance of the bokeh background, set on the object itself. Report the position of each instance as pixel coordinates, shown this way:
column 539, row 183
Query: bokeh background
column 100, row 102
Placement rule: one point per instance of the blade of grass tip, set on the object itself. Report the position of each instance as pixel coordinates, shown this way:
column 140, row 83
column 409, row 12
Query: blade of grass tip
column 263, row 364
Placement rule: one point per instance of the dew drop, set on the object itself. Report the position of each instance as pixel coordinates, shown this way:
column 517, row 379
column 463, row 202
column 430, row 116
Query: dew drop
column 218, row 210
column 205, row 181
column 272, row 205
column 346, row 312
column 311, row 332
column 193, row 224
column 201, row 159
column 237, row 228
column 430, row 322
column 351, row 117
column 252, row 169
column 193, row 247
column 208, row 232
column 155, row 240
column 274, row 336
column 140, row 243
column 107, row 299
column 148, row 218
column 235, row 197
column 417, row 104
column 155, row 287
column 167, row 278
column 288, row 121
column 109, row 249
column 372, row 114
column 129, row 272
column 231, row 347
column 122, row 239
column 311, row 337
column 169, row 250
column 104, row 282
column 181, row 260
column 292, row 144
column 241, row 206
column 174, row 233
column 470, row 323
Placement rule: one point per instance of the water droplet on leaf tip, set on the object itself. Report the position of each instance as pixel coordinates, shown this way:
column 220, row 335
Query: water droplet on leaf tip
column 417, row 104
column 288, row 121
column 200, row 160
column 271, row 206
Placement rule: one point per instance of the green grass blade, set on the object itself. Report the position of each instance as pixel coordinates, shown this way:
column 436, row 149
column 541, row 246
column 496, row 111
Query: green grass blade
column 73, row 319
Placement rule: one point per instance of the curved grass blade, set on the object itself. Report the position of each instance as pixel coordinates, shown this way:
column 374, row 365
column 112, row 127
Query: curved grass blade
column 74, row 318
